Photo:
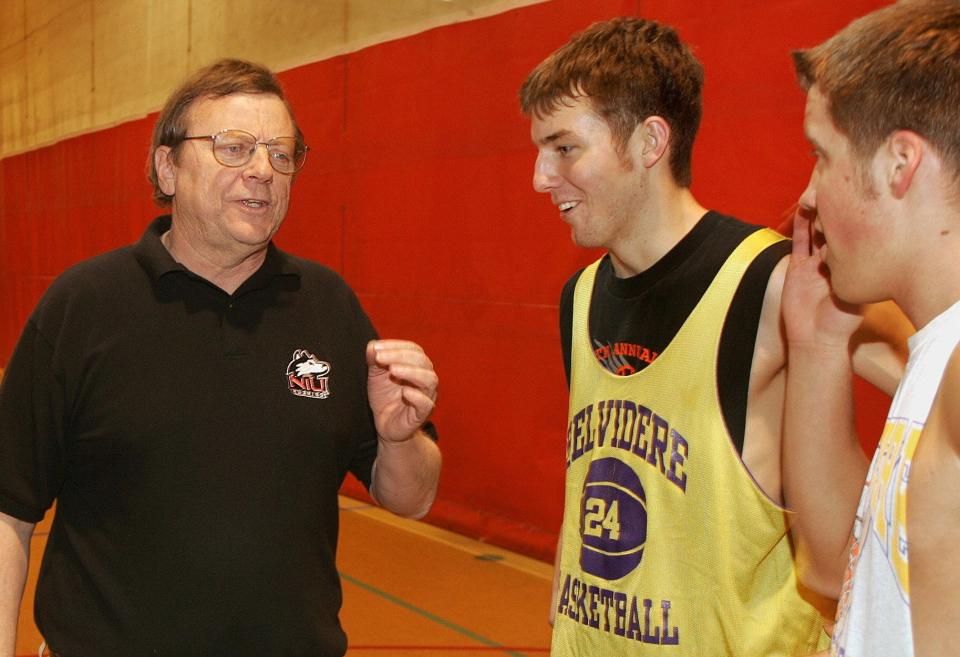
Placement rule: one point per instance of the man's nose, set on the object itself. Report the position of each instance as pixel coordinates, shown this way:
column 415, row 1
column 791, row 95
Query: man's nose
column 545, row 178
column 808, row 200
column 259, row 165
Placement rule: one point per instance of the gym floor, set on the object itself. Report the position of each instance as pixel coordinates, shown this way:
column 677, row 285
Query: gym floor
column 410, row 590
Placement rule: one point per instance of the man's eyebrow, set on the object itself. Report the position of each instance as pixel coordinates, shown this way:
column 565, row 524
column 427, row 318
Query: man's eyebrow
column 552, row 137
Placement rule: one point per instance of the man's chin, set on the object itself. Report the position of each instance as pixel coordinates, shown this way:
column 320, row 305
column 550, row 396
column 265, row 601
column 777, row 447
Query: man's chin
column 849, row 293
column 584, row 241
column 255, row 233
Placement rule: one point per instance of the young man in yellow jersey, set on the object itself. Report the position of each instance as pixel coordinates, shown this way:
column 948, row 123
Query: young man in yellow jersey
column 883, row 110
column 674, row 537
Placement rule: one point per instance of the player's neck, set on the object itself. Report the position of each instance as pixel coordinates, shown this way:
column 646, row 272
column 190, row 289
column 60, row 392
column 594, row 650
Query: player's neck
column 924, row 271
column 932, row 286
column 665, row 219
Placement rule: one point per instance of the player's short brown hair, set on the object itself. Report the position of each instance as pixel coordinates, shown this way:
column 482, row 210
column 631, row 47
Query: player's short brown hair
column 630, row 69
column 897, row 68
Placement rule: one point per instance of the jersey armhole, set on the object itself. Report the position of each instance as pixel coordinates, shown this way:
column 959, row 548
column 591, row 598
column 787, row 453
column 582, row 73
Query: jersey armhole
column 566, row 321
column 739, row 338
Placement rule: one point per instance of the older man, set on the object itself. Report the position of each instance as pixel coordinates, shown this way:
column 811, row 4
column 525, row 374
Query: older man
column 193, row 403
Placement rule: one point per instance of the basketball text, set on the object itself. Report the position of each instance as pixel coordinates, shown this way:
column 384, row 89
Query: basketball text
column 634, row 428
column 622, row 614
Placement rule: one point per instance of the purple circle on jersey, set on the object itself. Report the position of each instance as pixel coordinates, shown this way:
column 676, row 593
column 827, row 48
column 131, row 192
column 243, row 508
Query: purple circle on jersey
column 613, row 520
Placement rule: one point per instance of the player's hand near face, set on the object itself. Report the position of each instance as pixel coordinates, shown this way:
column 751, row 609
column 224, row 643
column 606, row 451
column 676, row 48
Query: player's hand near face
column 811, row 313
column 823, row 463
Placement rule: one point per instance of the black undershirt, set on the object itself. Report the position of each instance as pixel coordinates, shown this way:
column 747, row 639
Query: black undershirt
column 632, row 320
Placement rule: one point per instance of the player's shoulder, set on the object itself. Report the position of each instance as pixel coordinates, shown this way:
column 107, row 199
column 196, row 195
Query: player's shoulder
column 724, row 233
column 947, row 404
column 566, row 294
column 730, row 222
column 604, row 269
column 726, row 227
column 767, row 276
column 951, row 375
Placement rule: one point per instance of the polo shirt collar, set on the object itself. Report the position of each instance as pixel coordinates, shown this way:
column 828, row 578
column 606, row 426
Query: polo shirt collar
column 157, row 261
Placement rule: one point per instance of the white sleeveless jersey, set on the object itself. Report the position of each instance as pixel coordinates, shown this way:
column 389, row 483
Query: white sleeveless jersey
column 873, row 618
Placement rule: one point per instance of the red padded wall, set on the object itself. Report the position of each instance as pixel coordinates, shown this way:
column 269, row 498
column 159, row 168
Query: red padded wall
column 417, row 190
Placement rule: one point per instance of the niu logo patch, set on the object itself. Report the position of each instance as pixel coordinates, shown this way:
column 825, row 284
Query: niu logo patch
column 308, row 376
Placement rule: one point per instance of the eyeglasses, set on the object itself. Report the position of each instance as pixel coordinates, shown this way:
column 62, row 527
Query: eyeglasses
column 234, row 148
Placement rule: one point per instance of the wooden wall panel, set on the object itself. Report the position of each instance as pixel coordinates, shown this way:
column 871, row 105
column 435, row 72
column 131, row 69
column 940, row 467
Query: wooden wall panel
column 13, row 94
column 14, row 21
column 138, row 56
column 254, row 30
column 59, row 78
column 71, row 66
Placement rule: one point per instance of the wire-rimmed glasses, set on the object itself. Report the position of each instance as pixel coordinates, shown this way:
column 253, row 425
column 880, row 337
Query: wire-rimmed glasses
column 234, row 148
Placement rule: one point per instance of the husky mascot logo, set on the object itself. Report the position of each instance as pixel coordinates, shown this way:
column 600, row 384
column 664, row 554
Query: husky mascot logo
column 307, row 375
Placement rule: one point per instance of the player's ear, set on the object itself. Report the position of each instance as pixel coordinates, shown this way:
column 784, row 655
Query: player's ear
column 905, row 151
column 652, row 138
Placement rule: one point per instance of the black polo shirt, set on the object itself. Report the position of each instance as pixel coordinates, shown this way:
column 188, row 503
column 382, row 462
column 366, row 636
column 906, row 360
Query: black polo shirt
column 195, row 442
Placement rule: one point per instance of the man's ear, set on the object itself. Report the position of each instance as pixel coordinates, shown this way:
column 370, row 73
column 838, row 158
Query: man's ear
column 905, row 150
column 166, row 169
column 651, row 139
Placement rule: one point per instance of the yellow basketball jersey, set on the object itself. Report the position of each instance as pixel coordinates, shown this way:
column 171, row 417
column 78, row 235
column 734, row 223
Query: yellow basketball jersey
column 669, row 546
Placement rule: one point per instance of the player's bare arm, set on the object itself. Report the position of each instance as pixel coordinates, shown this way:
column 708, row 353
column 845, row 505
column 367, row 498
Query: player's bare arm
column 879, row 348
column 761, row 441
column 879, row 345
column 933, row 523
column 823, row 463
